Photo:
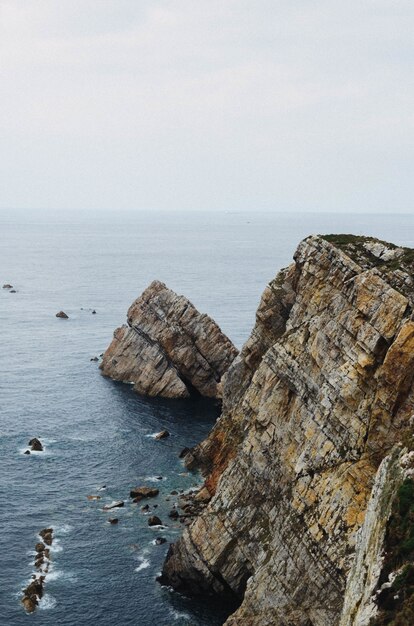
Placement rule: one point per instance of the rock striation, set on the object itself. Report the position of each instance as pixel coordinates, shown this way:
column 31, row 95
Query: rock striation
column 168, row 348
column 318, row 397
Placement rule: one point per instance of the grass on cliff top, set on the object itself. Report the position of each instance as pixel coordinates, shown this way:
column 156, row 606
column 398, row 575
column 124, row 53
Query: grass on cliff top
column 353, row 246
column 396, row 604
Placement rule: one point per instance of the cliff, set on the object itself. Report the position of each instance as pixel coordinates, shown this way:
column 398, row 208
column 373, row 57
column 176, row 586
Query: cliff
column 168, row 348
column 316, row 400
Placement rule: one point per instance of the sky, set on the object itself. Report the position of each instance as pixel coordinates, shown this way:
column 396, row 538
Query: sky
column 240, row 105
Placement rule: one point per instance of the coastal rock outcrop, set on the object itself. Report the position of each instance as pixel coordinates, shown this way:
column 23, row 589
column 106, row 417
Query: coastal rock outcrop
column 319, row 396
column 168, row 348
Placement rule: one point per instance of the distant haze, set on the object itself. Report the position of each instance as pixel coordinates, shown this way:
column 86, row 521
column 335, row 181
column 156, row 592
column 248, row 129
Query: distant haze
column 274, row 105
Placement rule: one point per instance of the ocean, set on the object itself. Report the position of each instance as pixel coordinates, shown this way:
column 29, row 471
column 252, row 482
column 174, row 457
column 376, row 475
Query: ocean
column 98, row 432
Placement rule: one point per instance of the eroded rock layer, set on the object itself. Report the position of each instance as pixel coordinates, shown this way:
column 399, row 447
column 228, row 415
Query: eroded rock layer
column 318, row 396
column 168, row 348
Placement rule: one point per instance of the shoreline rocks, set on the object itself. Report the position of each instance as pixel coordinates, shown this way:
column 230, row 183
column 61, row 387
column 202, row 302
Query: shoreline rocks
column 34, row 591
column 168, row 348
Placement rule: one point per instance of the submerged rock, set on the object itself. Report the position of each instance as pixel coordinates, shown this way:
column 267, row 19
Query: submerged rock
column 160, row 540
column 168, row 348
column 319, row 395
column 113, row 520
column 113, row 505
column 139, row 493
column 62, row 315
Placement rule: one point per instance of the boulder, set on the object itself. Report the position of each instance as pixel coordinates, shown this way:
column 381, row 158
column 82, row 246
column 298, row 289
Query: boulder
column 173, row 514
column 26, row 452
column 139, row 493
column 94, row 497
column 94, row 312
column 47, row 535
column 154, row 521
column 39, row 547
column 29, row 603
column 168, row 348
column 7, row 286
column 162, row 435
column 145, row 507
column 62, row 315
column 160, row 540
column 36, row 445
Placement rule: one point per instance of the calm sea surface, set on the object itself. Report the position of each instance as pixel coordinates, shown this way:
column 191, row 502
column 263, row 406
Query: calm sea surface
column 98, row 432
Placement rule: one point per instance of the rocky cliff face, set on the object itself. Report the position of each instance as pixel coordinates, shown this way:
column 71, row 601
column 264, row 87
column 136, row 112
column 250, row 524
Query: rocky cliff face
column 318, row 396
column 168, row 348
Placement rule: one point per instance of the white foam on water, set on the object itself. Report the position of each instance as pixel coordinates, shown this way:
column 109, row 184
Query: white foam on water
column 154, row 479
column 47, row 602
column 159, row 527
column 63, row 529
column 143, row 564
column 55, row 547
column 179, row 615
column 152, row 435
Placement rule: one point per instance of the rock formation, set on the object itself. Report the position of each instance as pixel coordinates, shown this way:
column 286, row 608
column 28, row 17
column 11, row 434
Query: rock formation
column 319, row 396
column 168, row 348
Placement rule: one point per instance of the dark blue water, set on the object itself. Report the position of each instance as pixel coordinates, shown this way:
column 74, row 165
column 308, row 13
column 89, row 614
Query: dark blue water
column 98, row 432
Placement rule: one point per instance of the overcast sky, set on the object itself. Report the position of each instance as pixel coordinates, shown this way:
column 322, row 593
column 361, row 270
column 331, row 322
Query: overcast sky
column 296, row 105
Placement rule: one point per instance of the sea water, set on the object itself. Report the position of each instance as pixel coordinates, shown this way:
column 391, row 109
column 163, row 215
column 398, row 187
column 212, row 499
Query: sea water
column 97, row 432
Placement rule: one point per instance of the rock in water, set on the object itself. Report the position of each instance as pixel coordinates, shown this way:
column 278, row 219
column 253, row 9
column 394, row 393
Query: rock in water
column 139, row 493
column 62, row 315
column 168, row 348
column 7, row 286
column 162, row 435
column 154, row 521
column 113, row 505
column 36, row 444
column 319, row 395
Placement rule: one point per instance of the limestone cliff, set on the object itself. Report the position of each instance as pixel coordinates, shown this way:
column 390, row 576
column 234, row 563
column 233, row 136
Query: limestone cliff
column 168, row 348
column 318, row 396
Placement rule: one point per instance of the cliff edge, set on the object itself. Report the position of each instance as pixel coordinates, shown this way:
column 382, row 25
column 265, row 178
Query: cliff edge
column 317, row 399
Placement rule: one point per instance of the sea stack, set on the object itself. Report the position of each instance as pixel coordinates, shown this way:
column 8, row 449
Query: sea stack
column 168, row 348
column 309, row 467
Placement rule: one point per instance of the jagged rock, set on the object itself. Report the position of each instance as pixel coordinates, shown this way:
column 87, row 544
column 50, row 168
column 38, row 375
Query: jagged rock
column 162, row 434
column 116, row 504
column 145, row 508
column 319, row 395
column 94, row 358
column 184, row 453
column 62, row 315
column 47, row 535
column 7, row 286
column 26, row 452
column 168, row 348
column 154, row 521
column 36, row 445
column 29, row 603
column 139, row 493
